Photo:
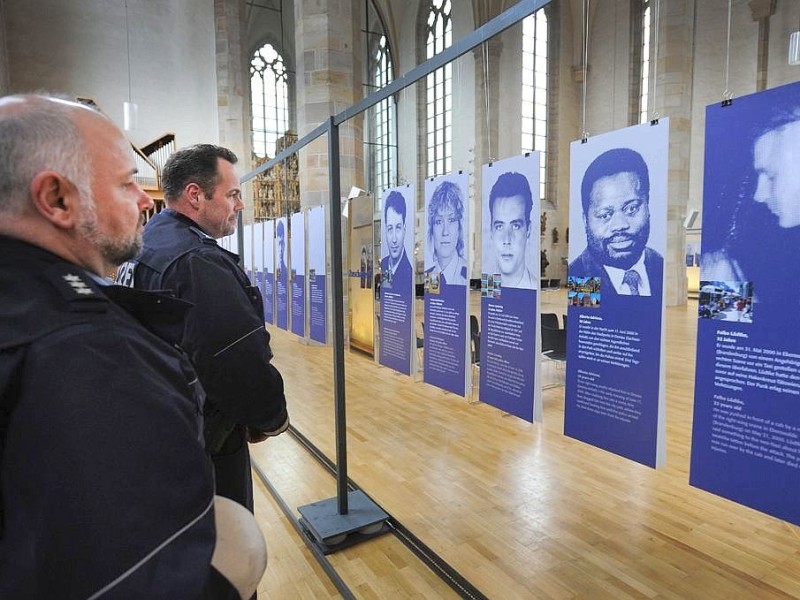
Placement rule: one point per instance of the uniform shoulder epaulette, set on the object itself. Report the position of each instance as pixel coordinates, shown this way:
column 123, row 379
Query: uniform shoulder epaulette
column 77, row 288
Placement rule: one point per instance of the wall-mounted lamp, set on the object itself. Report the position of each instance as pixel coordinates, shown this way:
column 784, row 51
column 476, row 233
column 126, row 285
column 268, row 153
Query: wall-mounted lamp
column 688, row 222
column 355, row 192
column 794, row 47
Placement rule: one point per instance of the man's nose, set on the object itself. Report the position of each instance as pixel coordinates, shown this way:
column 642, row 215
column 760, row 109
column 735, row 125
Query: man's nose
column 762, row 192
column 618, row 221
column 144, row 202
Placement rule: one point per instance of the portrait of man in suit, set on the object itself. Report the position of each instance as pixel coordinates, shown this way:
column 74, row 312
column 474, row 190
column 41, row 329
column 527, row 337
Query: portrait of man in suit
column 396, row 271
column 615, row 197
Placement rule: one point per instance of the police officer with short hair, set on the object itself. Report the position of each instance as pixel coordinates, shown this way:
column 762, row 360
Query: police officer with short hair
column 106, row 489
column 224, row 333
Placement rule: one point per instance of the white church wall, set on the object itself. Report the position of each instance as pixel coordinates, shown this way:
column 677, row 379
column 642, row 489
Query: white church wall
column 79, row 48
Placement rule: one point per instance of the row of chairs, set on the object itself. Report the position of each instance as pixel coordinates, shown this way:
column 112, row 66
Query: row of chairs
column 554, row 339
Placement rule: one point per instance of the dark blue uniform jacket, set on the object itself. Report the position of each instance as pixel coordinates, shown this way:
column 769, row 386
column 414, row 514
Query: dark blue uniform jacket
column 106, row 487
column 224, row 335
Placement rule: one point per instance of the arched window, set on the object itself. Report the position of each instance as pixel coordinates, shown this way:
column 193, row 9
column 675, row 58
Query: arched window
column 534, row 89
column 438, row 89
column 644, row 91
column 381, row 132
column 269, row 99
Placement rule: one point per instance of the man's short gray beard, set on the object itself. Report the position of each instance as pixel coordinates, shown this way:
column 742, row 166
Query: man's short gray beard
column 114, row 251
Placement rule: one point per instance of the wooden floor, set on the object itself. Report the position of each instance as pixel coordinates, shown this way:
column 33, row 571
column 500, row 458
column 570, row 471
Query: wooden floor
column 518, row 509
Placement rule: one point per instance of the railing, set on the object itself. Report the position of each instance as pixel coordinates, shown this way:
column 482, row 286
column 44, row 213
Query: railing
column 330, row 126
column 159, row 150
column 148, row 175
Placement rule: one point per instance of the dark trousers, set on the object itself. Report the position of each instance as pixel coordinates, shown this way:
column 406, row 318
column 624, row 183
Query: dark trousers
column 233, row 477
column 232, row 469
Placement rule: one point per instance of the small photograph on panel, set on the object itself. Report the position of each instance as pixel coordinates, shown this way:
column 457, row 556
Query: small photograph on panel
column 497, row 285
column 726, row 301
column 312, row 275
column 484, row 284
column 584, row 291
column 432, row 283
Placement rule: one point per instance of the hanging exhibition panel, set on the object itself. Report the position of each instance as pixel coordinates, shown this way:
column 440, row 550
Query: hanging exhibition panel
column 281, row 274
column 397, row 279
column 258, row 257
column 446, row 279
column 268, row 291
column 510, row 287
column 247, row 254
column 615, row 340
column 298, row 270
column 230, row 243
column 317, row 287
column 746, row 431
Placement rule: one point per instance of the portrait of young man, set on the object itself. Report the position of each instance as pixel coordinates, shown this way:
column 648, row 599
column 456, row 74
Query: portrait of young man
column 757, row 198
column 396, row 270
column 510, row 207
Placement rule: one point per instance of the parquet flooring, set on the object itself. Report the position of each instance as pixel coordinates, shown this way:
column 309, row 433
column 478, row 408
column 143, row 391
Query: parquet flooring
column 517, row 508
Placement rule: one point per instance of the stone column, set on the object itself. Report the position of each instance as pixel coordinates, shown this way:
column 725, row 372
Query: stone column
column 674, row 99
column 761, row 11
column 233, row 90
column 487, row 92
column 329, row 79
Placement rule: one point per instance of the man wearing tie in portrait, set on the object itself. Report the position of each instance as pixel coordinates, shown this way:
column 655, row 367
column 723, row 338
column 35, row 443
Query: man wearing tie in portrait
column 615, row 194
column 395, row 267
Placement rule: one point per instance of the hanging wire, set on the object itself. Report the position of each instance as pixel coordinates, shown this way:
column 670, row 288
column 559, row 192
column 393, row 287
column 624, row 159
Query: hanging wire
column 486, row 99
column 584, row 133
column 727, row 95
column 128, row 48
column 656, row 26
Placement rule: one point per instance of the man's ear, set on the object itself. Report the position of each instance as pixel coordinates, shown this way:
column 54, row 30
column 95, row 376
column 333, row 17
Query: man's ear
column 193, row 193
column 56, row 199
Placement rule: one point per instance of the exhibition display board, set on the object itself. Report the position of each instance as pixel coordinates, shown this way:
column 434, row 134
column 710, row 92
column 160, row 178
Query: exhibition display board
column 509, row 287
column 615, row 339
column 297, row 258
column 397, row 279
column 281, row 274
column 258, row 258
column 230, row 243
column 247, row 253
column 446, row 279
column 746, row 430
column 268, row 291
column 317, row 285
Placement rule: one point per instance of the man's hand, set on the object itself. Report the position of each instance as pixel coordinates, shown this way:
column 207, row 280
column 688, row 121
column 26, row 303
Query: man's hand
column 255, row 436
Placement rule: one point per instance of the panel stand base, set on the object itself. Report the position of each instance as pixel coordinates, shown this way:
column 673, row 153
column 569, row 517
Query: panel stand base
column 330, row 531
